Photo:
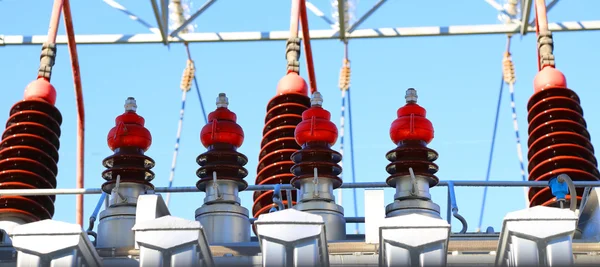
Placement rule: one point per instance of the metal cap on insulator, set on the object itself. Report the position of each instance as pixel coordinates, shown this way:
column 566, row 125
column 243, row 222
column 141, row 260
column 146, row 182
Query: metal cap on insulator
column 549, row 77
column 316, row 125
column 222, row 126
column 129, row 130
column 411, row 123
column 40, row 89
column 292, row 83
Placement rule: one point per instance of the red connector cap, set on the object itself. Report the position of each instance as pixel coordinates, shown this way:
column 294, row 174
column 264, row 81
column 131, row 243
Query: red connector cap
column 222, row 126
column 316, row 125
column 40, row 89
column 411, row 123
column 292, row 83
column 549, row 77
column 129, row 130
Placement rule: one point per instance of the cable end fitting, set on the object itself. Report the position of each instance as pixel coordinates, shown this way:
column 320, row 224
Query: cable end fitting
column 546, row 49
column 559, row 188
column 47, row 58
column 292, row 54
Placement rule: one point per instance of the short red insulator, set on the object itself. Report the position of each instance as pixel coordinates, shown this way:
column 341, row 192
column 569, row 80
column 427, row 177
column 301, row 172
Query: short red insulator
column 292, row 83
column 129, row 139
column 559, row 142
column 278, row 144
column 129, row 131
column 222, row 136
column 41, row 89
column 222, row 128
column 549, row 77
column 411, row 131
column 29, row 152
column 316, row 127
column 411, row 124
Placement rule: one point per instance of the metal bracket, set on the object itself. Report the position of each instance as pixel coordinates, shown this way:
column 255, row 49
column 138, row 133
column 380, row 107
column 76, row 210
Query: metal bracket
column 172, row 241
column 284, row 235
column 54, row 243
column 538, row 236
column 413, row 240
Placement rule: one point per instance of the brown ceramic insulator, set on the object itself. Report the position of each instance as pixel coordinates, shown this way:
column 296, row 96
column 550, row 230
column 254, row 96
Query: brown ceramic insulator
column 317, row 155
column 284, row 112
column 131, row 164
column 412, row 154
column 226, row 162
column 559, row 142
column 29, row 157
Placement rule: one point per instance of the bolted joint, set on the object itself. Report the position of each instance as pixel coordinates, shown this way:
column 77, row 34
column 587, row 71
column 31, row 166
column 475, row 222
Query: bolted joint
column 316, row 100
column 292, row 54
column 546, row 48
column 130, row 104
column 47, row 59
column 411, row 96
column 222, row 101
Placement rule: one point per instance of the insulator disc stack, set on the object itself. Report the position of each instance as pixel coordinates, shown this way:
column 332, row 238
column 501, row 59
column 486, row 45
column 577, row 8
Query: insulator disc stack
column 222, row 136
column 317, row 155
column 29, row 153
column 316, row 133
column 411, row 132
column 412, row 154
column 129, row 139
column 559, row 142
column 284, row 113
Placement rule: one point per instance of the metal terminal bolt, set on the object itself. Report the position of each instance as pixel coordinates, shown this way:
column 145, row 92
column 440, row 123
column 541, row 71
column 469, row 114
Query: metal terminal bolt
column 316, row 99
column 222, row 101
column 130, row 104
column 411, row 96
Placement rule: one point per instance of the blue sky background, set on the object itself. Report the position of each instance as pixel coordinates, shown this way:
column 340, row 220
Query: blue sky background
column 457, row 80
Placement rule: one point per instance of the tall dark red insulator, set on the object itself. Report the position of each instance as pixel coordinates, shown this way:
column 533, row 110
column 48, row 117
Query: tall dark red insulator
column 412, row 131
column 316, row 134
column 129, row 139
column 29, row 152
column 559, row 142
column 222, row 136
column 284, row 113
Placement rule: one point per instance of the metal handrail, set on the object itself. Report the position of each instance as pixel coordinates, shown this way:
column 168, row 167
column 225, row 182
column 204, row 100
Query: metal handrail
column 189, row 189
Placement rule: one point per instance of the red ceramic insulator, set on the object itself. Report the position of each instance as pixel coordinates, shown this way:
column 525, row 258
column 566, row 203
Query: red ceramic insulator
column 222, row 136
column 411, row 132
column 284, row 113
column 316, row 134
column 559, row 142
column 29, row 152
column 129, row 139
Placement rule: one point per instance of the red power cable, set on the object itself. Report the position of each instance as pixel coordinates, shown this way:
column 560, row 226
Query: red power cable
column 310, row 65
column 54, row 21
column 541, row 23
column 80, row 108
column 294, row 18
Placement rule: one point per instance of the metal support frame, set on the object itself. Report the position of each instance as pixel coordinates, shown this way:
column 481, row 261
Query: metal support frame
column 525, row 14
column 193, row 17
column 54, row 243
column 172, row 241
column 286, row 234
column 538, row 236
column 328, row 34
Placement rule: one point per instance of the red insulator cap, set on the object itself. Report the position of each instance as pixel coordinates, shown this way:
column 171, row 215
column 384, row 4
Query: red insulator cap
column 316, row 125
column 129, row 130
column 292, row 83
column 547, row 77
column 222, row 126
column 40, row 89
column 411, row 123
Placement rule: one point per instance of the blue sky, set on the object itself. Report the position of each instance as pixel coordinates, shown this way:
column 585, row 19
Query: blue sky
column 457, row 80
